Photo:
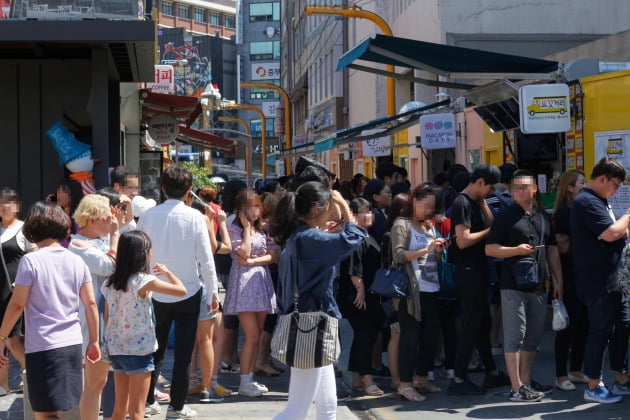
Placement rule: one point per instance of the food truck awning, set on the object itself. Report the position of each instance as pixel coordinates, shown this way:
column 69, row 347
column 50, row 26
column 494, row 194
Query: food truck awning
column 445, row 60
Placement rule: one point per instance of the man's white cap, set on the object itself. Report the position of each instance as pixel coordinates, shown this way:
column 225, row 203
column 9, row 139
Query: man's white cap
column 139, row 205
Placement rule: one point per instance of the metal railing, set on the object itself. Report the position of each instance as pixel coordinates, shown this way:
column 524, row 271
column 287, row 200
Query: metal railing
column 74, row 9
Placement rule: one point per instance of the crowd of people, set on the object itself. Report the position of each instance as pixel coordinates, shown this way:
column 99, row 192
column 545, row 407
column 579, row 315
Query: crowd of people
column 95, row 288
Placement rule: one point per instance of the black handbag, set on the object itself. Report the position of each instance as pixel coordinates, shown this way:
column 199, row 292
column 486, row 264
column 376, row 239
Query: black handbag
column 525, row 269
column 390, row 282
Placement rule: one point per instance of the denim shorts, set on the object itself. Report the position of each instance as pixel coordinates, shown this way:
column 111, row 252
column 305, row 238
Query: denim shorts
column 131, row 364
column 204, row 315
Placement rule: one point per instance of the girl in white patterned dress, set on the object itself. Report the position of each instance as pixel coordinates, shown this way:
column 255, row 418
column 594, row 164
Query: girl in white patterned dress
column 130, row 330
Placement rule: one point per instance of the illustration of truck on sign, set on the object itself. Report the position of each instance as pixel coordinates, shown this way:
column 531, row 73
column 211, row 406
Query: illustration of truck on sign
column 546, row 104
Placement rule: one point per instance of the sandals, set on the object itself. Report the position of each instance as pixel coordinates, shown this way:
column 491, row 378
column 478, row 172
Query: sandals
column 427, row 387
column 276, row 366
column 581, row 379
column 267, row 370
column 409, row 393
column 373, row 391
column 4, row 392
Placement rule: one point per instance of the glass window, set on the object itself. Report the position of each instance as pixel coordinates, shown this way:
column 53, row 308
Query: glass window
column 261, row 12
column 215, row 19
column 255, row 127
column 255, row 93
column 265, row 50
column 230, row 21
column 200, row 15
column 183, row 11
column 167, row 8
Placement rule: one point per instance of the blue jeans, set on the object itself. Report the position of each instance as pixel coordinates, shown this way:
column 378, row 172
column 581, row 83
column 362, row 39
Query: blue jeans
column 606, row 328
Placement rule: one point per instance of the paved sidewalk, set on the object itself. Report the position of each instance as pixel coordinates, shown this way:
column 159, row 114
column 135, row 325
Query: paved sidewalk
column 234, row 407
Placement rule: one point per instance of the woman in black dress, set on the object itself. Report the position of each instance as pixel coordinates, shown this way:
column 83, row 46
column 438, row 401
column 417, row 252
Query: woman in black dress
column 362, row 309
column 14, row 245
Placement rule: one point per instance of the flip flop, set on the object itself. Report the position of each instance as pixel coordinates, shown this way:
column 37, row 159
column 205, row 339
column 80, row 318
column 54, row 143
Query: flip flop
column 373, row 391
column 4, row 391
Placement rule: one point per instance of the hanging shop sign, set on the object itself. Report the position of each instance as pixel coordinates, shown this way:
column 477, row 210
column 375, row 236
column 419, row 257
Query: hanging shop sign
column 545, row 108
column 164, row 79
column 163, row 128
column 378, row 146
column 438, row 131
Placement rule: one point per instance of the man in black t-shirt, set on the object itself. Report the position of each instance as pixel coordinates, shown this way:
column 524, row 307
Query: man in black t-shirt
column 522, row 235
column 597, row 241
column 470, row 220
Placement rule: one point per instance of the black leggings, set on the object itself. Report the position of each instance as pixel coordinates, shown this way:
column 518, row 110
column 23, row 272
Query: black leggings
column 573, row 338
column 365, row 326
column 418, row 339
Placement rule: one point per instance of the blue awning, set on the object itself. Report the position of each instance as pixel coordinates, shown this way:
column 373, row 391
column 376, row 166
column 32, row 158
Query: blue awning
column 391, row 125
column 446, row 60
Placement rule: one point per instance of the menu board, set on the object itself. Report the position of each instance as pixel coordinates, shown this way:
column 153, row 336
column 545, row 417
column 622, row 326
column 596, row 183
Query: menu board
column 616, row 145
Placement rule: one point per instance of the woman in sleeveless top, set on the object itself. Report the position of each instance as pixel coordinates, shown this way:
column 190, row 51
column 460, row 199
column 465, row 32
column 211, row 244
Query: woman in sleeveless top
column 14, row 246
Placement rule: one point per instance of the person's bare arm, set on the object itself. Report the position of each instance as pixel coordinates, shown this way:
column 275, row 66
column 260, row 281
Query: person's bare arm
column 500, row 251
column 618, row 230
column 246, row 245
column 15, row 308
column 225, row 244
column 86, row 294
column 465, row 238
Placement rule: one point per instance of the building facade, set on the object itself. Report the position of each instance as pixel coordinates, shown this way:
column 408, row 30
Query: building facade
column 258, row 57
column 510, row 26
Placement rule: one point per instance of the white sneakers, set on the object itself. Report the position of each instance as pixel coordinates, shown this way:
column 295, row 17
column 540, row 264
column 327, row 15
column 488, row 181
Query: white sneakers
column 185, row 413
column 249, row 390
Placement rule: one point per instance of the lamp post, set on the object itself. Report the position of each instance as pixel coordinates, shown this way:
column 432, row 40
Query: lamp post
column 357, row 12
column 288, row 142
column 248, row 151
column 264, row 132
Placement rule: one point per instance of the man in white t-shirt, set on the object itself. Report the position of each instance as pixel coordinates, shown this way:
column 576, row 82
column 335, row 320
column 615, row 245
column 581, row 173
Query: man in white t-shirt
column 181, row 242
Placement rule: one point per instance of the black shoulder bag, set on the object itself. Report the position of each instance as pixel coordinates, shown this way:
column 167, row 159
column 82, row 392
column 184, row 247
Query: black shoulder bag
column 525, row 269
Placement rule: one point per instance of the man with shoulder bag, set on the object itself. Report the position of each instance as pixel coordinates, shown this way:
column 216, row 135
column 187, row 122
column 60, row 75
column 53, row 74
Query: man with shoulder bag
column 522, row 235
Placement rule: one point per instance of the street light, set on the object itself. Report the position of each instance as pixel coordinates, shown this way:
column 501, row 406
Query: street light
column 264, row 132
column 248, row 151
column 288, row 142
column 357, row 12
